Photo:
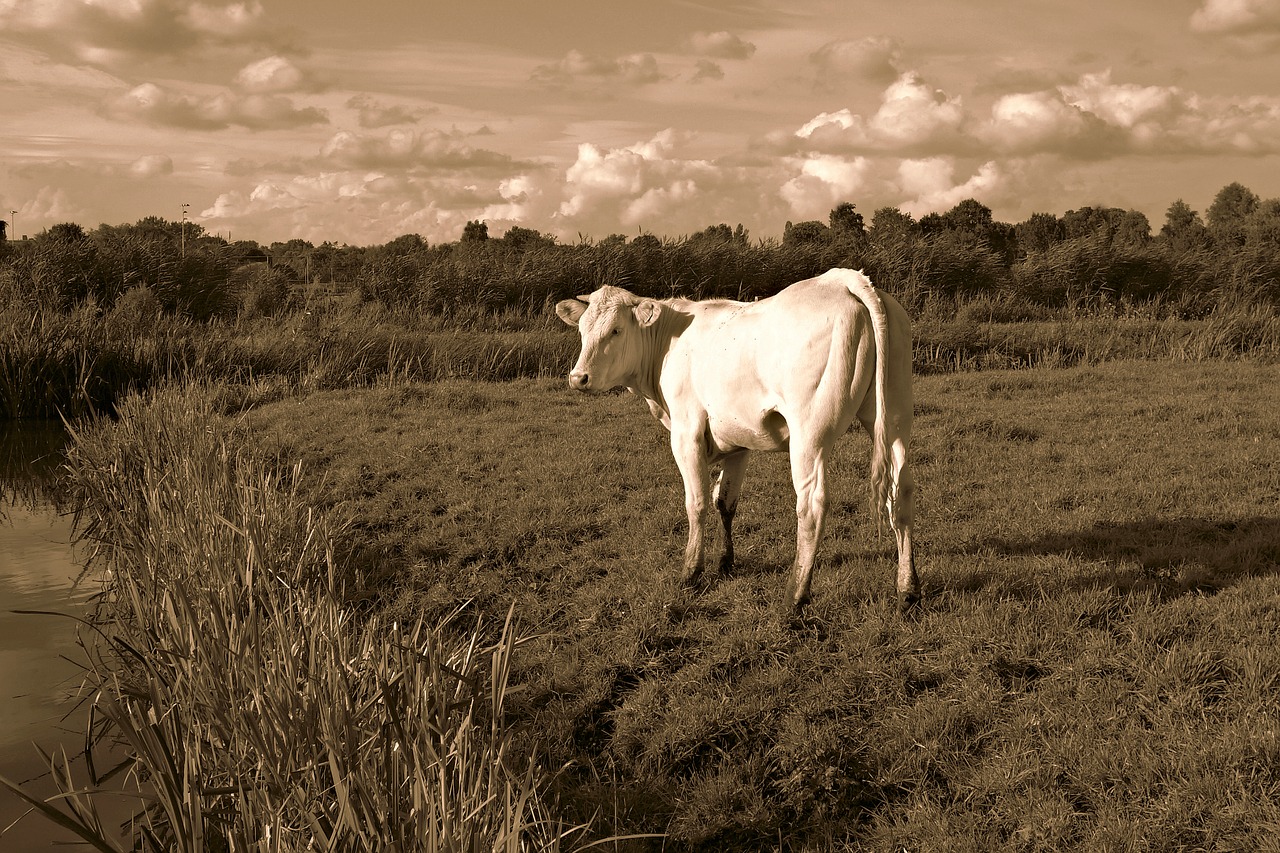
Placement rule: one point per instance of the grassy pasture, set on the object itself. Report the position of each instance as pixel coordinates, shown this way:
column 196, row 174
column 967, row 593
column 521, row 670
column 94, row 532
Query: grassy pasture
column 1092, row 667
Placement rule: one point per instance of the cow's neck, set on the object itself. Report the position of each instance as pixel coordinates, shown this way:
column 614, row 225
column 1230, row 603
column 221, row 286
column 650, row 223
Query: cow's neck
column 656, row 342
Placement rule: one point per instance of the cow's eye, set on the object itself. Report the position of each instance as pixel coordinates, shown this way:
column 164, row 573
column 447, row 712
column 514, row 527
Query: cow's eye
column 615, row 332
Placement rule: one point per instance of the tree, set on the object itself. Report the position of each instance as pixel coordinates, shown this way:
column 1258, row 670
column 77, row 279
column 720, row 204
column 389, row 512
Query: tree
column 1233, row 204
column 526, row 238
column 888, row 224
column 1183, row 229
column 1133, row 229
column 1230, row 213
column 810, row 231
column 970, row 217
column 406, row 244
column 1039, row 232
column 475, row 231
column 66, row 232
column 845, row 220
column 721, row 233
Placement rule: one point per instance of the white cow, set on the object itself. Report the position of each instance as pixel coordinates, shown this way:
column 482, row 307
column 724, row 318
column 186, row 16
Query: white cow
column 790, row 372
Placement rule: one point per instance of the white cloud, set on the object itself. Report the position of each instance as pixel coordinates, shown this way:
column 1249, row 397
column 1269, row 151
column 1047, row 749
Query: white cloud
column 1168, row 119
column 824, row 180
column 1237, row 17
column 154, row 104
column 1096, row 117
column 876, row 58
column 929, row 184
column 912, row 116
column 581, row 70
column 151, row 166
column 410, row 149
column 106, row 32
column 651, row 185
column 372, row 113
column 363, row 208
column 273, row 75
column 49, row 204
column 1125, row 105
column 913, row 113
column 1035, row 122
column 722, row 45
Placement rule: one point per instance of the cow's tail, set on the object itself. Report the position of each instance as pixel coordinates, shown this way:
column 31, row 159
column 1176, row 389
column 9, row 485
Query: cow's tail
column 883, row 484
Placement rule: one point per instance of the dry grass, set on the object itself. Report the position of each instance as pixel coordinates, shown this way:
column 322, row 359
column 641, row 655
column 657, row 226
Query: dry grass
column 1098, row 545
column 1099, row 550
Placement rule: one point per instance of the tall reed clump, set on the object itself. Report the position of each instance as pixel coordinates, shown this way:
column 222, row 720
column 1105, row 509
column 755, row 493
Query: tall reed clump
column 258, row 709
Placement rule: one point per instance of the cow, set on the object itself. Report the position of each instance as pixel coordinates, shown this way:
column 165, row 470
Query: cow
column 787, row 373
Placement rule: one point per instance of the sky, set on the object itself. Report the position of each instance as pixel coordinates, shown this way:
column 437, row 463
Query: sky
column 357, row 122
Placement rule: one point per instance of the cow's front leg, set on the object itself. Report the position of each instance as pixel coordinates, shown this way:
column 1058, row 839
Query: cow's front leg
column 689, row 448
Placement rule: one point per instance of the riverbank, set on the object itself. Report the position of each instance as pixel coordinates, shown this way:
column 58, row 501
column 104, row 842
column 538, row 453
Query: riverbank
column 1098, row 547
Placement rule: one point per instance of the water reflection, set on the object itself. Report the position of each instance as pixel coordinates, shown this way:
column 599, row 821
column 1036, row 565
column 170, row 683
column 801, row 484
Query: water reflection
column 37, row 569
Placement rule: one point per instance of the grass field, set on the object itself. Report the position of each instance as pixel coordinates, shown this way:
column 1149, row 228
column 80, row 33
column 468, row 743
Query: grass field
column 1092, row 668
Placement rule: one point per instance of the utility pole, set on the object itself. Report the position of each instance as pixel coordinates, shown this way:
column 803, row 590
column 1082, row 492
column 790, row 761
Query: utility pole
column 184, row 228
column 13, row 224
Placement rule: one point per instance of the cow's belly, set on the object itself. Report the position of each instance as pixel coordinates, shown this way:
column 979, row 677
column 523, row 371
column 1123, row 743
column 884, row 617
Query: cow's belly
column 765, row 431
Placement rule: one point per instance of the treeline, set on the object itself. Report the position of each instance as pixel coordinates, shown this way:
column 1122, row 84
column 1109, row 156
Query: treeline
column 1086, row 259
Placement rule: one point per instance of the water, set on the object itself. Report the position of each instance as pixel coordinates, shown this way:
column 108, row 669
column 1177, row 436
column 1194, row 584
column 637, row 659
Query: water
column 37, row 568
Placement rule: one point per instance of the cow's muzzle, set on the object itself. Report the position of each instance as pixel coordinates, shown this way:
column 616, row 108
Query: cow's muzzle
column 579, row 381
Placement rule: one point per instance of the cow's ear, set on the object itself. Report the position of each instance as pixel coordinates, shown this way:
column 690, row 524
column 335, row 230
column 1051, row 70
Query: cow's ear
column 647, row 311
column 570, row 310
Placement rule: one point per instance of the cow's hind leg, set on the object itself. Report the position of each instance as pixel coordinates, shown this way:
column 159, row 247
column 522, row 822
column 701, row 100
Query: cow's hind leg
column 808, row 473
column 902, row 507
column 728, row 488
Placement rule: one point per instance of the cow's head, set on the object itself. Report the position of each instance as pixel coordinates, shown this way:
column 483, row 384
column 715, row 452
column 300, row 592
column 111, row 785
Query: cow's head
column 610, row 322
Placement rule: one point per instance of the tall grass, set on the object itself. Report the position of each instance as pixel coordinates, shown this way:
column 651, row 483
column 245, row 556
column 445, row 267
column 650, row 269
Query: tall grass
column 71, row 363
column 259, row 708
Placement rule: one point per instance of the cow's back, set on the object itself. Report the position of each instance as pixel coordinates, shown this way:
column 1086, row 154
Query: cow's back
column 746, row 363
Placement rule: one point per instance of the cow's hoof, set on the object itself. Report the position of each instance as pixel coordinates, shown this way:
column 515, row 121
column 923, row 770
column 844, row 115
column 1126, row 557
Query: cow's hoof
column 909, row 602
column 726, row 565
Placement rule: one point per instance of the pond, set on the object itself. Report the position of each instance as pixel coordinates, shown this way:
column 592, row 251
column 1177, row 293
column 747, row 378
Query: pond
column 38, row 567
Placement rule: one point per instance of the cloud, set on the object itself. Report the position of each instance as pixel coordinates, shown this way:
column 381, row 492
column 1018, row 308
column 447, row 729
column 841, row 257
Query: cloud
column 361, row 207
column 912, row 116
column 707, row 70
column 156, row 105
column 1040, row 122
column 1095, row 117
column 106, row 32
column 373, row 114
column 274, row 75
column 930, row 184
column 151, row 166
column 1170, row 120
column 721, row 45
column 1237, row 17
column 876, row 58
column 824, row 180
column 579, row 70
column 407, row 149
column 650, row 185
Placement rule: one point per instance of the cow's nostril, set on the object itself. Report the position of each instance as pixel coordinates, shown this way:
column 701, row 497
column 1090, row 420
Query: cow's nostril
column 578, row 380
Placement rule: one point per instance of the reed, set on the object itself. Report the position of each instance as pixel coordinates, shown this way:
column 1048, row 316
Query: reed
column 258, row 707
